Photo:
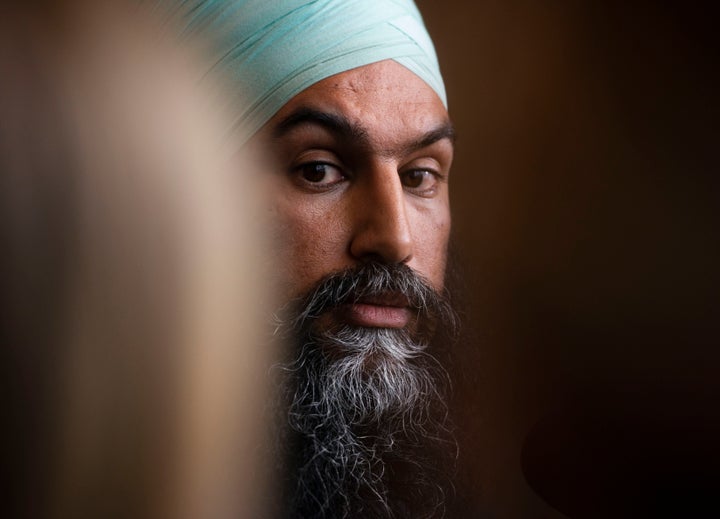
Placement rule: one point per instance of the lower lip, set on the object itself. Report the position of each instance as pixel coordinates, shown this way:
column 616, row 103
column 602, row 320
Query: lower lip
column 377, row 316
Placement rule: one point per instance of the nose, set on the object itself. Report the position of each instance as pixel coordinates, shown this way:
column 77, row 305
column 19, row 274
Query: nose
column 381, row 228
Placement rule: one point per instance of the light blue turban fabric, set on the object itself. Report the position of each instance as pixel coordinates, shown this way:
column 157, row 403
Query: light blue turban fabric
column 271, row 50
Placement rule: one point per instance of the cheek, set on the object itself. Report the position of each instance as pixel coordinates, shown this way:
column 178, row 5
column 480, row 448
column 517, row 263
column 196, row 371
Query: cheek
column 309, row 241
column 431, row 244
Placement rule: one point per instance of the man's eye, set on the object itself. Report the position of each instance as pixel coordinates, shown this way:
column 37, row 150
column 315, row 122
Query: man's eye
column 419, row 179
column 320, row 174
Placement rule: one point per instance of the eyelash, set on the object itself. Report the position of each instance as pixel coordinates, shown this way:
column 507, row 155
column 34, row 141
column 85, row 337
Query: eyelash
column 428, row 192
column 301, row 169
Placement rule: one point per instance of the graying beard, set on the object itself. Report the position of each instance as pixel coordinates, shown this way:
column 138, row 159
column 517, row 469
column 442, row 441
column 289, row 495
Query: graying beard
column 353, row 410
column 371, row 279
column 365, row 405
column 376, row 378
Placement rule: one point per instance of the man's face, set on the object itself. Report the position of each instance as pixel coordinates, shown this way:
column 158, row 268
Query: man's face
column 359, row 195
column 362, row 164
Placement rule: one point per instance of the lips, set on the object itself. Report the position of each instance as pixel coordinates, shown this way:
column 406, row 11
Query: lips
column 383, row 311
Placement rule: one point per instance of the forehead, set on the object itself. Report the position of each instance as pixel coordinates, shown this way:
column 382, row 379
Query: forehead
column 385, row 100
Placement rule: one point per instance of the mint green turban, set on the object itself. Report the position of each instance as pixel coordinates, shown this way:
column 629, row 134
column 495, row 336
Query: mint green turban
column 271, row 50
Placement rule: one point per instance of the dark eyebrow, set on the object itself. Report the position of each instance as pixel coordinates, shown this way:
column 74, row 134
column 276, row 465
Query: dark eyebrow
column 444, row 131
column 349, row 131
column 332, row 122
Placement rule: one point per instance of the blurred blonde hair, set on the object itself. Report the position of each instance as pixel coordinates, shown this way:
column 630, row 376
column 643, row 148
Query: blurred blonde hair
column 132, row 297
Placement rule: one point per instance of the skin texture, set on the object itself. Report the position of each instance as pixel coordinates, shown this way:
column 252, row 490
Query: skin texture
column 361, row 173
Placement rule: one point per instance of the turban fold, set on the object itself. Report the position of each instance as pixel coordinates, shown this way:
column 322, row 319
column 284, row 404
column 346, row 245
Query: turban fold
column 271, row 50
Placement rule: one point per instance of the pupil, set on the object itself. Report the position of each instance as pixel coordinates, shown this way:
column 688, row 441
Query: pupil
column 314, row 172
column 414, row 178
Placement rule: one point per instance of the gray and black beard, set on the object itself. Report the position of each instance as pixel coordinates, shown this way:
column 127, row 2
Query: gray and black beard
column 367, row 430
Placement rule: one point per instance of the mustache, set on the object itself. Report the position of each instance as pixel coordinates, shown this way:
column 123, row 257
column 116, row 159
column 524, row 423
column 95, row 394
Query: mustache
column 376, row 407
column 370, row 280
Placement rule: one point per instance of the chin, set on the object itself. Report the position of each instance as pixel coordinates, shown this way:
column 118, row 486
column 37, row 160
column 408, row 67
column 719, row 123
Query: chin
column 366, row 432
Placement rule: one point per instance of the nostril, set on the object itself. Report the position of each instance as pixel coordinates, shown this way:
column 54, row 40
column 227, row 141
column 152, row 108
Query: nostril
column 387, row 243
column 380, row 258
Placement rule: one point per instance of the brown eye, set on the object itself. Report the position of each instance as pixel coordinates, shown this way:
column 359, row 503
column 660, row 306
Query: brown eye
column 419, row 179
column 320, row 174
column 314, row 172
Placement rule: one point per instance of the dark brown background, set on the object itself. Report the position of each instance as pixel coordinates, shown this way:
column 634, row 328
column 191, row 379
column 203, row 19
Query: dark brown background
column 585, row 201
